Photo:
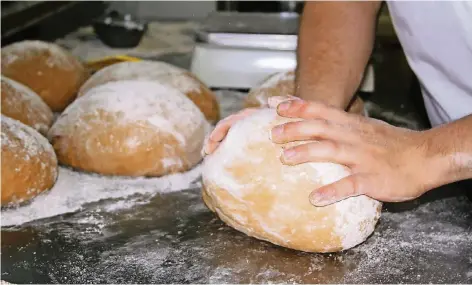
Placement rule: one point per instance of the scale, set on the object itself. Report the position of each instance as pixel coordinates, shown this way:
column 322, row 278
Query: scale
column 239, row 50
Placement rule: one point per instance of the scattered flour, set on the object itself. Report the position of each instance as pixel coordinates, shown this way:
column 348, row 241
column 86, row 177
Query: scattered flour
column 146, row 71
column 354, row 218
column 278, row 78
column 56, row 56
column 34, row 108
column 73, row 190
column 278, row 84
column 22, row 137
column 156, row 104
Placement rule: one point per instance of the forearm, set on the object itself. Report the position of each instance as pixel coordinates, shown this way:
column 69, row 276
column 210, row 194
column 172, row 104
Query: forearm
column 449, row 152
column 335, row 43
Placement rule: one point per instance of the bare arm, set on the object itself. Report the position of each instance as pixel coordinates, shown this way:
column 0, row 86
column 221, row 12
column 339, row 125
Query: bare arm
column 449, row 149
column 335, row 43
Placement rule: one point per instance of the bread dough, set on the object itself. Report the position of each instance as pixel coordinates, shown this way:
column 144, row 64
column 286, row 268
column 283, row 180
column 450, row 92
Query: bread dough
column 48, row 69
column 283, row 84
column 251, row 190
column 23, row 104
column 277, row 84
column 29, row 164
column 163, row 73
column 131, row 128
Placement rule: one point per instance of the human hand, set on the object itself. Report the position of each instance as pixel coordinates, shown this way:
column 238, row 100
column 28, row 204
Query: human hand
column 222, row 128
column 387, row 163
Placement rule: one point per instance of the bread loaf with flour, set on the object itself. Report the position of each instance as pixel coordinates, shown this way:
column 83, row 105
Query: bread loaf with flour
column 48, row 69
column 130, row 128
column 251, row 190
column 283, row 84
column 162, row 73
column 23, row 104
column 277, row 84
column 29, row 164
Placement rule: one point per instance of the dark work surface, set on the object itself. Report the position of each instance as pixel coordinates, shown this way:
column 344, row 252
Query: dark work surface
column 174, row 239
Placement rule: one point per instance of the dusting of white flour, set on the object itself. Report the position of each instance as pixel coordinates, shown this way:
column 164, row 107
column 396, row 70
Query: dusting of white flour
column 159, row 105
column 73, row 190
column 355, row 217
column 144, row 71
column 36, row 109
column 24, row 138
column 30, row 49
column 277, row 78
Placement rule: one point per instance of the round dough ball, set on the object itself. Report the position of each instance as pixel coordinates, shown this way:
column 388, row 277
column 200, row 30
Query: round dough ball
column 23, row 104
column 278, row 84
column 160, row 72
column 131, row 128
column 48, row 69
column 251, row 190
column 283, row 84
column 29, row 164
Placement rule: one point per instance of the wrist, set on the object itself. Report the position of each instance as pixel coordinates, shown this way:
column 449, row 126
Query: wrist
column 328, row 96
column 444, row 163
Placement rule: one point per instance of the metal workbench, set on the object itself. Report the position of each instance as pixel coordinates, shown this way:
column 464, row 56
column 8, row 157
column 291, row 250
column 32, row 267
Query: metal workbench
column 173, row 238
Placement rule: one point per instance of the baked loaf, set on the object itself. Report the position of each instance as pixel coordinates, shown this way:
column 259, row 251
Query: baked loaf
column 130, row 128
column 48, row 69
column 251, row 190
column 283, row 84
column 163, row 73
column 29, row 164
column 23, row 104
column 277, row 84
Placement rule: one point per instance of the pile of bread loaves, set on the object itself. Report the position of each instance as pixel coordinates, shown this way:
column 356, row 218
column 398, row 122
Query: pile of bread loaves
column 143, row 118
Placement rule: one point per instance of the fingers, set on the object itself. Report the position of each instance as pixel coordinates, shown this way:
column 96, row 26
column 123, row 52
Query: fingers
column 222, row 128
column 350, row 186
column 323, row 151
column 311, row 130
column 276, row 100
column 311, row 110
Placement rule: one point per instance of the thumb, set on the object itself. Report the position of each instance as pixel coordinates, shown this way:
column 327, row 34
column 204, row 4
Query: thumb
column 349, row 186
column 274, row 101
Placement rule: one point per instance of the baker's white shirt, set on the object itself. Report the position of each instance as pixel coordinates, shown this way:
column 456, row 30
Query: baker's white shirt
column 436, row 37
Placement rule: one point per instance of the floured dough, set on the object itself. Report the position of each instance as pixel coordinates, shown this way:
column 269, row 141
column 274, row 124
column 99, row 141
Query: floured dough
column 131, row 128
column 163, row 73
column 23, row 104
column 283, row 84
column 251, row 190
column 48, row 69
column 29, row 164
column 277, row 84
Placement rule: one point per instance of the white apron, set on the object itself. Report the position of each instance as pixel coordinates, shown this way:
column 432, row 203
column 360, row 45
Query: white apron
column 436, row 37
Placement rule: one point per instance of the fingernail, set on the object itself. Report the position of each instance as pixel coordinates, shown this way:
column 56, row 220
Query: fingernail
column 289, row 154
column 276, row 132
column 318, row 199
column 283, row 106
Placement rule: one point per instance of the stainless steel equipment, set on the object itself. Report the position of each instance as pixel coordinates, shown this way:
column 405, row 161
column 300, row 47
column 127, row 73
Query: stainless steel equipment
column 239, row 50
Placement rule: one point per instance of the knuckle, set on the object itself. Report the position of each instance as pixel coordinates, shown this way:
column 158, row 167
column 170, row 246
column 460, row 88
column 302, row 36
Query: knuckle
column 332, row 147
column 302, row 107
column 355, row 185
